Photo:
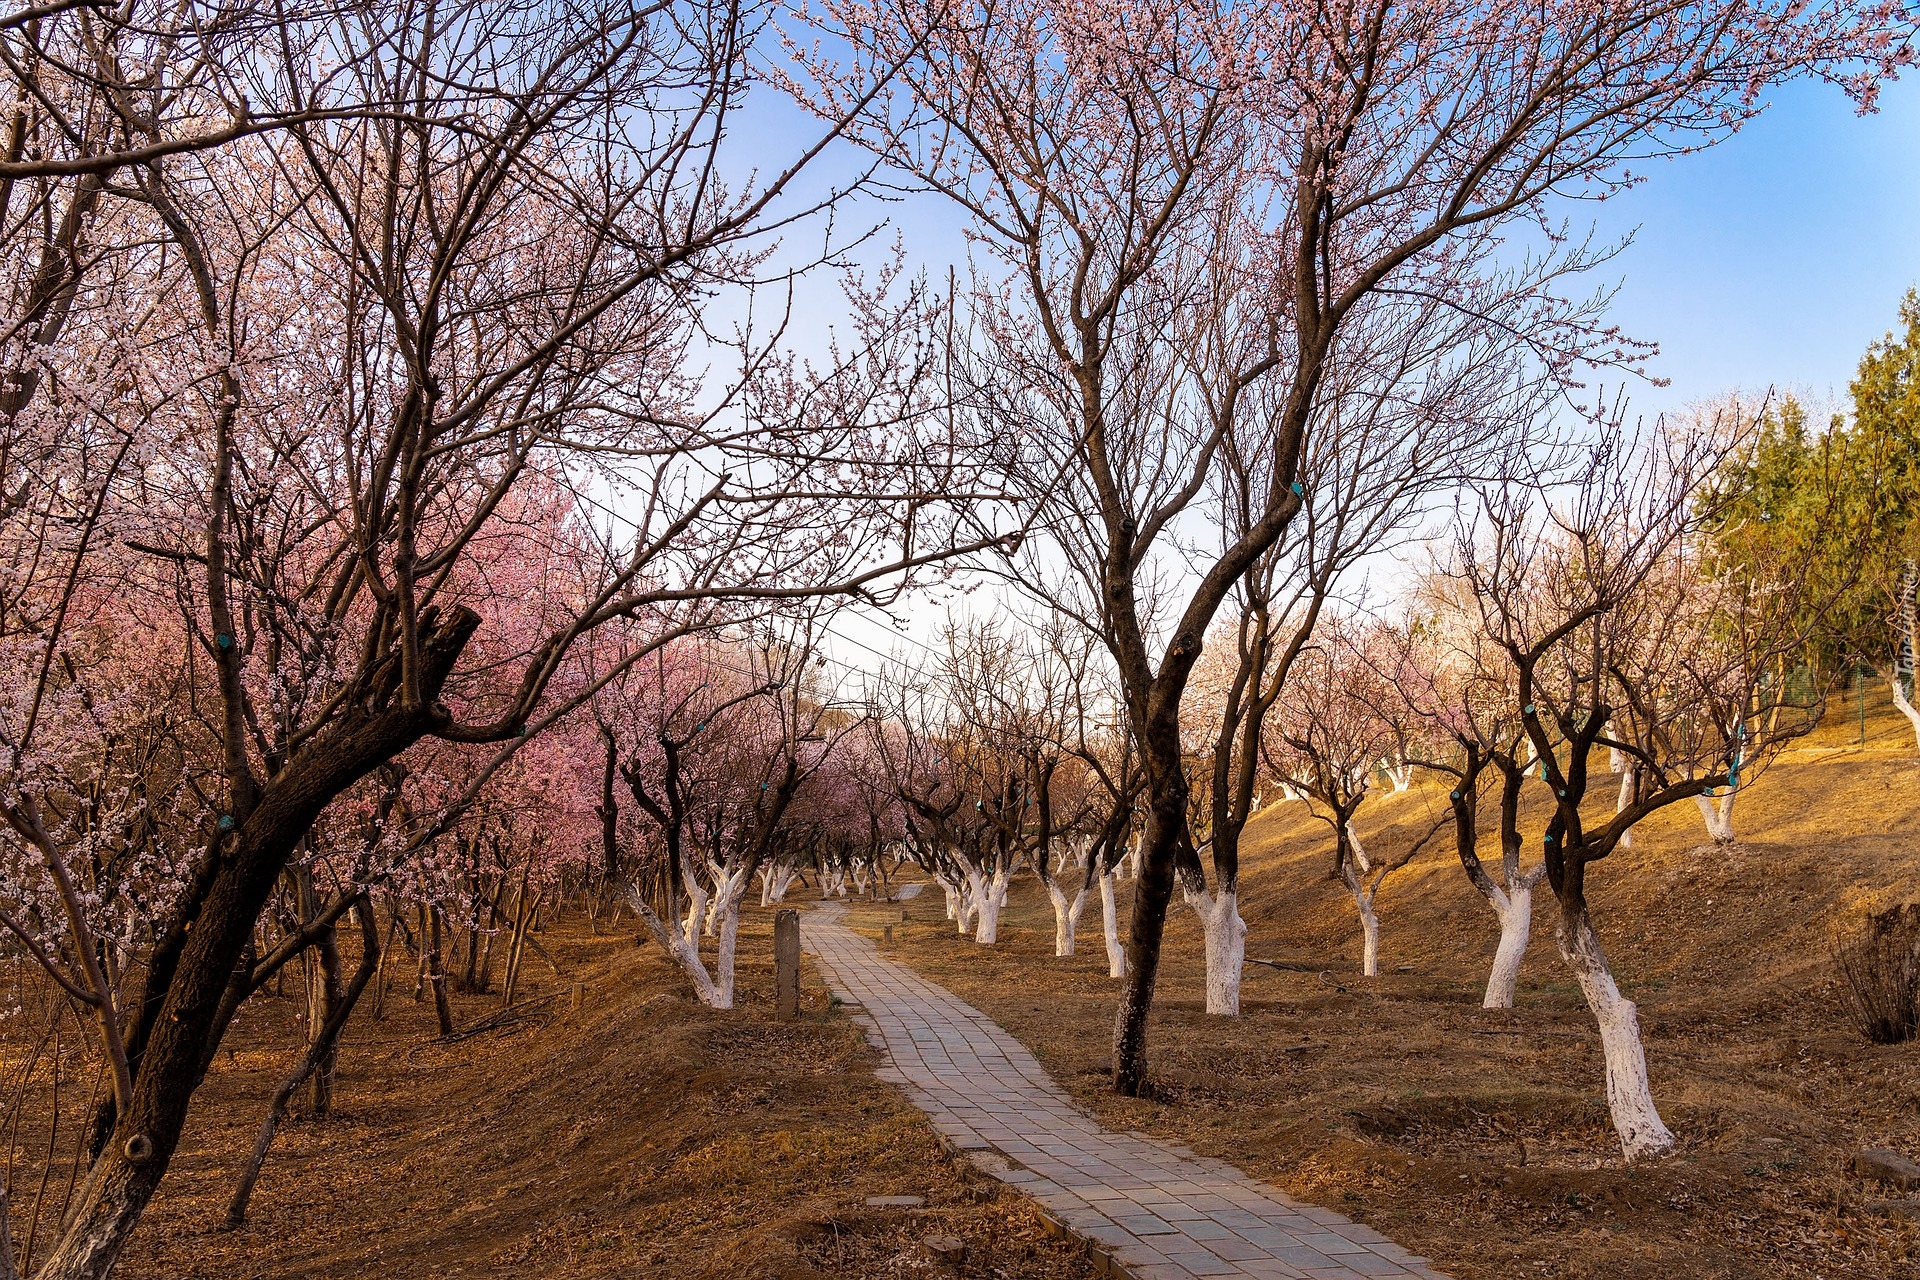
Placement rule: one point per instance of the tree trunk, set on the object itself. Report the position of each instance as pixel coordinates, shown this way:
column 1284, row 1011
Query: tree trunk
column 1629, row 1093
column 679, row 949
column 1110, row 927
column 1905, row 704
column 1369, row 936
column 1623, row 767
column 990, row 895
column 724, row 954
column 1152, row 894
column 1226, row 946
column 1514, row 907
column 324, row 1048
column 436, row 973
column 1066, row 915
column 191, row 966
column 1717, row 812
column 1362, row 893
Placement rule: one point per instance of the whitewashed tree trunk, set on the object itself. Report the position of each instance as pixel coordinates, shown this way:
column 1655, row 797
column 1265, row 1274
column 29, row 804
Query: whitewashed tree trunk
column 1399, row 773
column 1514, row 908
column 1369, row 936
column 1226, row 945
column 1066, row 914
column 729, row 941
column 1717, row 811
column 862, row 877
column 774, row 885
column 1906, row 706
column 728, row 888
column 962, row 902
column 1619, row 763
column 1354, row 873
column 990, row 895
column 1110, row 928
column 696, row 909
column 1629, row 1093
column 711, row 918
column 684, row 951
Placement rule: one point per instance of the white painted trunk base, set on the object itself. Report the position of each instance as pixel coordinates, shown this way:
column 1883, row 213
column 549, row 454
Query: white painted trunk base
column 1515, row 911
column 1354, row 875
column 1717, row 813
column 1226, row 946
column 1907, row 709
column 1643, row 1136
column 1369, row 936
column 682, row 945
column 1066, row 915
column 989, row 896
column 1110, row 928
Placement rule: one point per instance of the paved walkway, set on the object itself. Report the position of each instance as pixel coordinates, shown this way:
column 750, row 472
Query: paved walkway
column 1160, row 1211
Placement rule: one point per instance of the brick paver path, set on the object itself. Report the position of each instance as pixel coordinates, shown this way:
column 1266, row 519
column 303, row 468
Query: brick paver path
column 1155, row 1207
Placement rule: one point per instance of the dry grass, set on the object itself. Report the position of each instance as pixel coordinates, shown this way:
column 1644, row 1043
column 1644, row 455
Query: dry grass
column 642, row 1136
column 1481, row 1139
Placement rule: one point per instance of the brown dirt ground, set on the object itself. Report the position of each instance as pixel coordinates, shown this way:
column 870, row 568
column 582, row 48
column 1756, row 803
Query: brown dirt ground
column 641, row 1136
column 1481, row 1139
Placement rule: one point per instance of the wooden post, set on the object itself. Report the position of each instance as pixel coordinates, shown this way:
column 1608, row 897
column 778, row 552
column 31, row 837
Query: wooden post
column 887, row 935
column 786, row 962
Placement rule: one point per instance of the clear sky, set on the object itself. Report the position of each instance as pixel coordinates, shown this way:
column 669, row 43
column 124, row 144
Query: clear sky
column 1774, row 258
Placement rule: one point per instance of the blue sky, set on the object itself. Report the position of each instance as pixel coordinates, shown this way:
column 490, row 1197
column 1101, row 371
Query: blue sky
column 1776, row 257
column 1769, row 260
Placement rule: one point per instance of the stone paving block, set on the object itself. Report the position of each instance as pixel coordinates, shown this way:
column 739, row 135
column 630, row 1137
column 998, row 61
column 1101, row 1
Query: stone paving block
column 1329, row 1242
column 1203, row 1263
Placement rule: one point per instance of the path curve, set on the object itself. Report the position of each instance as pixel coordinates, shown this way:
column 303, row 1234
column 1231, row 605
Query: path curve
column 1156, row 1208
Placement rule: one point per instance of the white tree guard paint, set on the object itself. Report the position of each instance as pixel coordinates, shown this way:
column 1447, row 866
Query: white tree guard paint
column 1066, row 914
column 1110, row 928
column 1717, row 812
column 1619, row 764
column 1629, row 1092
column 1908, row 616
column 1369, row 936
column 989, row 896
column 715, row 990
column 696, row 908
column 1907, row 709
column 1354, row 873
column 774, row 883
column 1226, row 945
column 952, row 893
column 1399, row 773
column 1514, row 908
column 728, row 887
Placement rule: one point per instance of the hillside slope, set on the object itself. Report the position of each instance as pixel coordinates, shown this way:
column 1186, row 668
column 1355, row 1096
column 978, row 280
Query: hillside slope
column 1481, row 1139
